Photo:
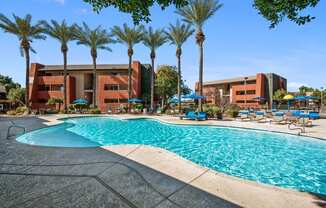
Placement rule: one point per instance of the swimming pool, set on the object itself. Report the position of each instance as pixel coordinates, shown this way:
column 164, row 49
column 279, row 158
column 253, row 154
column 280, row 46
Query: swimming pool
column 279, row 159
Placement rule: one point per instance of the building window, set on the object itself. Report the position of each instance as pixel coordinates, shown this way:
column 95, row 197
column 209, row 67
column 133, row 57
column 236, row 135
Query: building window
column 111, row 100
column 56, row 87
column 123, row 87
column 240, row 101
column 115, row 100
column 111, row 87
column 42, row 100
column 251, row 92
column 44, row 87
column 123, row 100
column 115, row 87
column 248, row 92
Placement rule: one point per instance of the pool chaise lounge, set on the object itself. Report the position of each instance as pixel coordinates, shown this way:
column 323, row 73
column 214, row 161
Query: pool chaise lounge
column 199, row 116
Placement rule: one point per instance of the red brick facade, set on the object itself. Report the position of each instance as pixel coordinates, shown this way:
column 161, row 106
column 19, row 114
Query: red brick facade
column 111, row 92
column 243, row 90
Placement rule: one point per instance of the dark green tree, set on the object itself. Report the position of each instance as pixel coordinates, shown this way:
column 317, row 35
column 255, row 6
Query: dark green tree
column 94, row 39
column 17, row 95
column 153, row 39
column 26, row 32
column 8, row 83
column 196, row 13
column 64, row 34
column 166, row 82
column 139, row 9
column 178, row 35
column 276, row 10
column 273, row 10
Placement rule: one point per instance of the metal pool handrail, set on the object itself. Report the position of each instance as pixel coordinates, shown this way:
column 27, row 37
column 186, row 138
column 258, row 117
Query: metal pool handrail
column 14, row 126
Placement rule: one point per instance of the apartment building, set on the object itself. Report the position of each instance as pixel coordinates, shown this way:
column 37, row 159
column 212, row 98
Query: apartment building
column 247, row 92
column 46, row 81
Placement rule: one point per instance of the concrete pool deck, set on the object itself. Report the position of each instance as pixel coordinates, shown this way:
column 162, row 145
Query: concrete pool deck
column 129, row 175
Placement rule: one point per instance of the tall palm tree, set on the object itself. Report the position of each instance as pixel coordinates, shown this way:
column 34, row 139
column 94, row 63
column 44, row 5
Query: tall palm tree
column 197, row 12
column 129, row 36
column 153, row 39
column 178, row 35
column 64, row 34
column 95, row 39
column 26, row 33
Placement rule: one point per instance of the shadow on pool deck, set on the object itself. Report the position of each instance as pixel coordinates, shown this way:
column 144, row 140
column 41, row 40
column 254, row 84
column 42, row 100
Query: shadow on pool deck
column 32, row 176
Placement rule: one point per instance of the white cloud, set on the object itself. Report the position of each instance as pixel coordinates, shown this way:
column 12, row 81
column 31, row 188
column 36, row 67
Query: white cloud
column 62, row 2
column 294, row 86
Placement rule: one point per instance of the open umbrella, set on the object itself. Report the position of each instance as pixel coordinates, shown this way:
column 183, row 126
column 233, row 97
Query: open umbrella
column 194, row 96
column 80, row 101
column 135, row 100
column 288, row 97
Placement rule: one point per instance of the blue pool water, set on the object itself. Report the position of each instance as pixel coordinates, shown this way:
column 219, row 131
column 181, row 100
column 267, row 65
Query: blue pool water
column 278, row 159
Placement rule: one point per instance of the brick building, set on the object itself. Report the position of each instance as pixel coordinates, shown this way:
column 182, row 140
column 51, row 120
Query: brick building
column 46, row 81
column 243, row 90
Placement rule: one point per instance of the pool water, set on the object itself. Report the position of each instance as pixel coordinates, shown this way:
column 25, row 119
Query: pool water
column 279, row 159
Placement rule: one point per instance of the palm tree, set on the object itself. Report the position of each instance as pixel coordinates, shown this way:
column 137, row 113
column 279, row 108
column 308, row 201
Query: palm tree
column 178, row 35
column 95, row 39
column 63, row 33
column 197, row 12
column 26, row 33
column 130, row 37
column 153, row 40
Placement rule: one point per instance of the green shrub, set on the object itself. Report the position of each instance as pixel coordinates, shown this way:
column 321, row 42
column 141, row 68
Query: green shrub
column 21, row 110
column 51, row 111
column 212, row 111
column 232, row 110
column 94, row 111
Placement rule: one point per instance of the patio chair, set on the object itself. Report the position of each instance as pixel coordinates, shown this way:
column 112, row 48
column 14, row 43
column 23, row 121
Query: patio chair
column 201, row 116
column 244, row 116
column 279, row 118
column 260, row 117
column 314, row 116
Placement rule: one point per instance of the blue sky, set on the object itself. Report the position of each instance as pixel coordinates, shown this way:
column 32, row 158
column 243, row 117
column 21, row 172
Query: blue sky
column 238, row 42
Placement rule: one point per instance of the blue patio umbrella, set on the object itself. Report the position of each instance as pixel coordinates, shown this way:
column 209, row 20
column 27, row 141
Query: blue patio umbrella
column 80, row 101
column 258, row 98
column 194, row 96
column 135, row 100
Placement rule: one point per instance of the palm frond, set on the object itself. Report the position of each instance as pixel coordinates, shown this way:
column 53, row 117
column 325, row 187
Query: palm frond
column 154, row 38
column 179, row 33
column 97, row 38
column 128, row 35
column 23, row 28
column 197, row 12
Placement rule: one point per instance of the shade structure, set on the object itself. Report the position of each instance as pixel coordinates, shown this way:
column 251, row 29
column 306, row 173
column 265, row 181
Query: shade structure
column 305, row 98
column 135, row 100
column 80, row 101
column 288, row 97
column 194, row 96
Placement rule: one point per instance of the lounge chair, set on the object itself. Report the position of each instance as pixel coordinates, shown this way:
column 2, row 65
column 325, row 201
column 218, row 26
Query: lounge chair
column 244, row 116
column 194, row 116
column 314, row 116
column 260, row 116
column 279, row 118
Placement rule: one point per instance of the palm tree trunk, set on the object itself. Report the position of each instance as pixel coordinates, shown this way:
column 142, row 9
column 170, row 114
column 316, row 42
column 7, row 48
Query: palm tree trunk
column 65, row 81
column 130, row 53
column 94, row 81
column 26, row 50
column 179, row 78
column 152, row 84
column 201, row 70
